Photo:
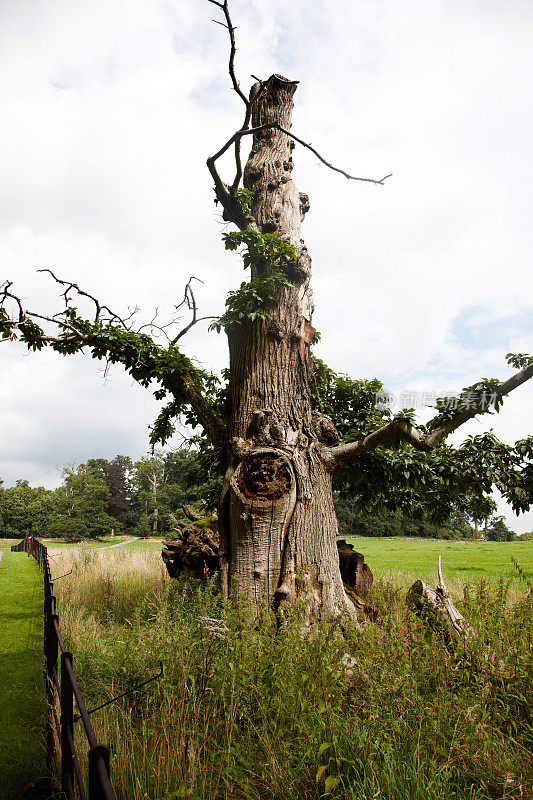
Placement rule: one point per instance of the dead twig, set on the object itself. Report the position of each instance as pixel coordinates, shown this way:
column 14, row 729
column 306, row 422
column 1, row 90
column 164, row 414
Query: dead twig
column 275, row 125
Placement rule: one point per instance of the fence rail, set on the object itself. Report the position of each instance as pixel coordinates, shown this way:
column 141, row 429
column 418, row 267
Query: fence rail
column 61, row 691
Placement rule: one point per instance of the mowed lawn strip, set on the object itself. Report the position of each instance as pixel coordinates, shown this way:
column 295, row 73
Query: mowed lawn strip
column 462, row 560
column 22, row 695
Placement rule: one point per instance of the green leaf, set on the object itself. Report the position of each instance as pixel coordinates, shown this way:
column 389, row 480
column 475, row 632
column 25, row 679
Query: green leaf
column 320, row 771
column 330, row 783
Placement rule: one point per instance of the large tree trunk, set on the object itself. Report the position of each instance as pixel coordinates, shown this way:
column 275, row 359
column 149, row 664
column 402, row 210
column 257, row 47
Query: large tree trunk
column 277, row 520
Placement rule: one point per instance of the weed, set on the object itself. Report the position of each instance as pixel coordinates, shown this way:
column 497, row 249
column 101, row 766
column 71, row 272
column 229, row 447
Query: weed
column 254, row 713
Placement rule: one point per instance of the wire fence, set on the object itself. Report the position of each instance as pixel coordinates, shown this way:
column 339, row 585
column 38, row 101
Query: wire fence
column 62, row 691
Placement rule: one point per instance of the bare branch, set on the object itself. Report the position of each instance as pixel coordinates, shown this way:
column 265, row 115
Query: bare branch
column 231, row 65
column 225, row 193
column 190, row 300
column 59, row 319
column 98, row 306
column 189, row 326
column 188, row 296
column 404, row 431
column 94, row 335
column 274, row 125
column 380, row 182
column 238, row 165
column 7, row 294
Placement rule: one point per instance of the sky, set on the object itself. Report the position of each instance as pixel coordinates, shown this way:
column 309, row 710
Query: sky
column 110, row 109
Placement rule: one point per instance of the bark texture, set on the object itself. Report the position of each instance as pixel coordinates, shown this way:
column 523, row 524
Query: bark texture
column 354, row 571
column 194, row 550
column 277, row 522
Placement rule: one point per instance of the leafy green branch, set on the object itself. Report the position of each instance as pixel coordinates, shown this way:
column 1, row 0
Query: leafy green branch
column 483, row 396
column 261, row 249
column 107, row 338
column 248, row 303
column 519, row 360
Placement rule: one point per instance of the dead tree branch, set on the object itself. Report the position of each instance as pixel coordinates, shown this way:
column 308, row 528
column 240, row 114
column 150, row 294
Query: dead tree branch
column 247, row 103
column 99, row 308
column 400, row 430
column 111, row 337
column 274, row 125
column 7, row 295
column 437, row 607
column 231, row 65
column 224, row 192
column 189, row 300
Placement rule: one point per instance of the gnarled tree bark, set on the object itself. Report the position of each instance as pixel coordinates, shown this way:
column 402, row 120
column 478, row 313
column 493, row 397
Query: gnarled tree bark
column 277, row 522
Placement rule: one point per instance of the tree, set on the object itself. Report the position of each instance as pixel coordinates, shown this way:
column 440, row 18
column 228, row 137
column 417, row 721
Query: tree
column 277, row 448
column 118, row 503
column 81, row 511
column 148, row 476
column 497, row 531
column 26, row 510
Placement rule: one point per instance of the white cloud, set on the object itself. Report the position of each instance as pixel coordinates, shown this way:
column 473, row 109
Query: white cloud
column 111, row 109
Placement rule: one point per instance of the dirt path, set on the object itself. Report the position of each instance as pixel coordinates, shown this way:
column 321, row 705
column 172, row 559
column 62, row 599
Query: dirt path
column 110, row 546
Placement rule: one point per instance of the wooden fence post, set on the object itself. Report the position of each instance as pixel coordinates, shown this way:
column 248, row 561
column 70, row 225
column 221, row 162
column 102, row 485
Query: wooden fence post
column 67, row 727
column 51, row 654
column 98, row 761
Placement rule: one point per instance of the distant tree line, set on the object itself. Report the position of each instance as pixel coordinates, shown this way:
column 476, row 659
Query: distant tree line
column 100, row 497
column 352, row 523
column 145, row 498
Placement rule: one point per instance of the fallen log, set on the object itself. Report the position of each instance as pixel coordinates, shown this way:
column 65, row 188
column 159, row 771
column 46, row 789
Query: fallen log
column 436, row 606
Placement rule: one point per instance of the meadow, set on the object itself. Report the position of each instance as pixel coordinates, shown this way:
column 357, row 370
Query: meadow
column 358, row 711
column 404, row 559
column 462, row 560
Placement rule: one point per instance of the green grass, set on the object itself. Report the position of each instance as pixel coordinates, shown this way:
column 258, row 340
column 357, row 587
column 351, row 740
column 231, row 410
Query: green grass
column 412, row 558
column 107, row 541
column 266, row 715
column 383, row 711
column 463, row 560
column 22, row 697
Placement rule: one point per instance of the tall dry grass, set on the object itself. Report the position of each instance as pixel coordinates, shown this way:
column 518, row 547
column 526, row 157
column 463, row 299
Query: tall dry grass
column 384, row 711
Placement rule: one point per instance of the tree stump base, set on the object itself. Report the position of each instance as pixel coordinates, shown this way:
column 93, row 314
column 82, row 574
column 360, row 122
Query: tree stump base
column 354, row 572
column 195, row 552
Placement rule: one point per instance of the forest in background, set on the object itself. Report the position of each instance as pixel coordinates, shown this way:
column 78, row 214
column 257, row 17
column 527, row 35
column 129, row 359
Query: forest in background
column 145, row 498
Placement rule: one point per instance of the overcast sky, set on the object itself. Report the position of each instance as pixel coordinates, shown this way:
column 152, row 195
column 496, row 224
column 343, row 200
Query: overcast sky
column 110, row 109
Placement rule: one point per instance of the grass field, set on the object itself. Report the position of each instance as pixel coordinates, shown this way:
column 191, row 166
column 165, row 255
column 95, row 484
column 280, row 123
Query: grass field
column 22, row 700
column 467, row 561
column 407, row 559
column 265, row 714
column 414, row 558
column 383, row 711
